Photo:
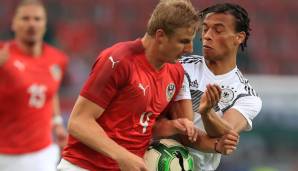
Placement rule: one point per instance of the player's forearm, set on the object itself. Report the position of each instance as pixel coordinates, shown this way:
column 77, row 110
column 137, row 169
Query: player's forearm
column 203, row 143
column 214, row 125
column 182, row 109
column 91, row 134
column 163, row 128
column 57, row 118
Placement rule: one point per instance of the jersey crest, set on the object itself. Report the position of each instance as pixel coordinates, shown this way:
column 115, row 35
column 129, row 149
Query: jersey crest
column 170, row 91
column 56, row 72
column 227, row 94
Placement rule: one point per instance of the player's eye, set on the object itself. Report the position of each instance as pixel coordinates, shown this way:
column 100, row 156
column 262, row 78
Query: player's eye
column 185, row 41
column 37, row 18
column 25, row 18
column 219, row 29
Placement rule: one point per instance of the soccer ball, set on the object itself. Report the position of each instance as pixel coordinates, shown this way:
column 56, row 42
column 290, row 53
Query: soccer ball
column 168, row 155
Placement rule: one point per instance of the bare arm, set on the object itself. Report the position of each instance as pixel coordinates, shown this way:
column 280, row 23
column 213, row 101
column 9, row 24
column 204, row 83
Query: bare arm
column 165, row 128
column 58, row 127
column 83, row 126
column 225, row 145
column 181, row 123
column 215, row 125
column 182, row 109
column 235, row 119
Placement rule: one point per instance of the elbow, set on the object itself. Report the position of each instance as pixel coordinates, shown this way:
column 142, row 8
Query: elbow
column 72, row 126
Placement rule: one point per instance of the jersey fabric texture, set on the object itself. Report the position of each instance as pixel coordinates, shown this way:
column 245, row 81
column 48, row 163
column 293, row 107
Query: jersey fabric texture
column 27, row 86
column 133, row 95
column 237, row 93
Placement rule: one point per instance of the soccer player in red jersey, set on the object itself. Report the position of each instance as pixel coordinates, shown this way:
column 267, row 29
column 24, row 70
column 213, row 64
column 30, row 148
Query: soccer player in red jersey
column 30, row 75
column 130, row 84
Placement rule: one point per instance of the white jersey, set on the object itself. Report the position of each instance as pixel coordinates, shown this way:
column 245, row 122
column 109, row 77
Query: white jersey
column 236, row 93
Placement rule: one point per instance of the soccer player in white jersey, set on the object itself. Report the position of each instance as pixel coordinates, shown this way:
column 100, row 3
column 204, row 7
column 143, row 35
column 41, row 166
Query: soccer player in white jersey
column 221, row 98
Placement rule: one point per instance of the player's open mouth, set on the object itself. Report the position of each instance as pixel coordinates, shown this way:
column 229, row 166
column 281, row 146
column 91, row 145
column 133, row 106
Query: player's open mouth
column 207, row 47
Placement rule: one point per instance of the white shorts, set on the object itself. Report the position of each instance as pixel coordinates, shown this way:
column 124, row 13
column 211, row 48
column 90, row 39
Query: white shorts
column 64, row 165
column 42, row 160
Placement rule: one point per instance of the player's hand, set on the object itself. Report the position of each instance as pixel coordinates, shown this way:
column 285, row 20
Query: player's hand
column 4, row 54
column 61, row 135
column 186, row 127
column 227, row 144
column 210, row 98
column 131, row 162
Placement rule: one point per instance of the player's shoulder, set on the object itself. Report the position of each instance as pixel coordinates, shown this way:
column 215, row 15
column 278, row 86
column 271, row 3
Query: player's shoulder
column 245, row 84
column 176, row 68
column 192, row 64
column 191, row 59
column 55, row 52
column 121, row 54
column 125, row 50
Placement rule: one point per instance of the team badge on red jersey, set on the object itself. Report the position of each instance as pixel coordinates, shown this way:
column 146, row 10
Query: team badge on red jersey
column 170, row 91
column 56, row 72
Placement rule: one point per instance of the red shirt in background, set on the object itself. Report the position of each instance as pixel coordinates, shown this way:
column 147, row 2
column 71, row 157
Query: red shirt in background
column 27, row 87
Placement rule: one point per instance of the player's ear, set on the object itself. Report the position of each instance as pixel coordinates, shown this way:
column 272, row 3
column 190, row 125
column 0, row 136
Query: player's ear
column 240, row 37
column 160, row 35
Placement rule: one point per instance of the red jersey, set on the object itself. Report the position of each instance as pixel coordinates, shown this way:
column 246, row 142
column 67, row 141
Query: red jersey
column 27, row 87
column 133, row 95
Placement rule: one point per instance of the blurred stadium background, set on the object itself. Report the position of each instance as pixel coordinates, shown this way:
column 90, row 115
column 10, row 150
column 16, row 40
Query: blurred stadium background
column 82, row 28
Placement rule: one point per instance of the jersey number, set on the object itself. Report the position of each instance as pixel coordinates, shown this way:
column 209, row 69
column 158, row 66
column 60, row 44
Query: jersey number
column 144, row 120
column 37, row 95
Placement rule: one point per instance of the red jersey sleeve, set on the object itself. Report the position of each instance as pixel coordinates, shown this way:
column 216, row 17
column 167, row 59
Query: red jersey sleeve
column 109, row 74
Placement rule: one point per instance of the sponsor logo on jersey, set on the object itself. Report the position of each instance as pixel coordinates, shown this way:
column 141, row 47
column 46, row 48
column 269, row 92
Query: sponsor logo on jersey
column 143, row 88
column 170, row 91
column 227, row 94
column 56, row 72
column 113, row 62
column 194, row 84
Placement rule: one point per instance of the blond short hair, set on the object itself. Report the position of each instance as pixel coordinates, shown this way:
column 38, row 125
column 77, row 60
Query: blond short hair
column 170, row 15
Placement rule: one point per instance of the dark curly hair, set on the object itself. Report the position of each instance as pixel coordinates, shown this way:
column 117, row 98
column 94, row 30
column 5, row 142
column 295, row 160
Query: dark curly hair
column 240, row 14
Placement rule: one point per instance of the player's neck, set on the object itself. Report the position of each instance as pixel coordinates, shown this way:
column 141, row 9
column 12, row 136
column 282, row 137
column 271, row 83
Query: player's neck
column 151, row 52
column 219, row 67
column 34, row 50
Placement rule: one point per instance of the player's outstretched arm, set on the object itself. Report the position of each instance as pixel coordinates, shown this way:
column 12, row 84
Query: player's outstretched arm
column 83, row 126
column 181, row 123
column 166, row 128
column 226, row 145
column 214, row 125
column 58, row 127
column 4, row 54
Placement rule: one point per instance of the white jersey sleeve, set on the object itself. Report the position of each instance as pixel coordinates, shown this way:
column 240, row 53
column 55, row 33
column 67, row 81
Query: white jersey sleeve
column 249, row 107
column 184, row 92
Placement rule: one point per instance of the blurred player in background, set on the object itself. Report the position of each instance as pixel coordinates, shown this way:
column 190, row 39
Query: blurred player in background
column 222, row 99
column 130, row 84
column 30, row 75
